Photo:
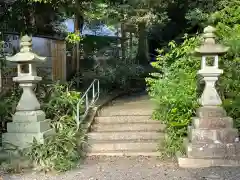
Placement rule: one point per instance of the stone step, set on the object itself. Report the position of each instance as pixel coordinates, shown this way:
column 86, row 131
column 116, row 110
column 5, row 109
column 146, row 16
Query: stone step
column 218, row 150
column 125, row 111
column 125, row 135
column 186, row 162
column 128, row 127
column 131, row 102
column 125, row 119
column 212, row 123
column 142, row 105
column 136, row 99
column 125, row 153
column 106, row 146
column 225, row 135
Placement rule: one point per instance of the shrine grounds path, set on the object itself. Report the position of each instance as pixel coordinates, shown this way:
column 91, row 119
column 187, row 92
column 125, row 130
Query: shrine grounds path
column 131, row 168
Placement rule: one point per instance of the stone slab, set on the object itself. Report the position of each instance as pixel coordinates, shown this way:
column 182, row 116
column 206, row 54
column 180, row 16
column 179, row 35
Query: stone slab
column 126, row 135
column 23, row 140
column 126, row 111
column 185, row 162
column 29, row 116
column 212, row 123
column 201, row 150
column 227, row 135
column 28, row 127
column 125, row 153
column 123, row 145
column 211, row 111
column 129, row 127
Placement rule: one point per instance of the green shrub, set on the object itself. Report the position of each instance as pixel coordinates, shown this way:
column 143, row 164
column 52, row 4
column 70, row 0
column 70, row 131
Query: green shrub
column 61, row 151
column 114, row 74
column 174, row 91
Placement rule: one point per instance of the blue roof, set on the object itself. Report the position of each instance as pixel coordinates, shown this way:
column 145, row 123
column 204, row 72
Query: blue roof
column 101, row 30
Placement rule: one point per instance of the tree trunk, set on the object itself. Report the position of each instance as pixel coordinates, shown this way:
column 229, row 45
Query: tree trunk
column 29, row 19
column 131, row 45
column 142, row 53
column 123, row 47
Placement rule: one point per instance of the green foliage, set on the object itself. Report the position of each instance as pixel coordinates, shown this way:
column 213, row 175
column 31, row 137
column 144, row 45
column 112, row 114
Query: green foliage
column 175, row 88
column 59, row 152
column 59, row 100
column 73, row 38
column 114, row 74
column 228, row 14
column 174, row 91
column 8, row 105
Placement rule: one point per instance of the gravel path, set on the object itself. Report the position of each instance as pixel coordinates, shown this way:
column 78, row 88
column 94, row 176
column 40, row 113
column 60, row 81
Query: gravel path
column 138, row 168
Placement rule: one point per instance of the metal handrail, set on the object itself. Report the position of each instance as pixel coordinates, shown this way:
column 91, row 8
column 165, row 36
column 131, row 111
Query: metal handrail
column 89, row 102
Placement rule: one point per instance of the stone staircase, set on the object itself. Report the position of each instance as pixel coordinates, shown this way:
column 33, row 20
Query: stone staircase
column 125, row 128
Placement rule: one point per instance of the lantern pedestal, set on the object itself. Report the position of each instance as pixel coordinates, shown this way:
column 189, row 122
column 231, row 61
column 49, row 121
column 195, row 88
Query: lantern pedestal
column 211, row 140
column 27, row 83
column 210, row 96
column 22, row 133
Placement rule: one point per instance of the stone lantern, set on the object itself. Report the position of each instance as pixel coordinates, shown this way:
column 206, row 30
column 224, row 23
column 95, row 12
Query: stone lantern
column 29, row 120
column 212, row 140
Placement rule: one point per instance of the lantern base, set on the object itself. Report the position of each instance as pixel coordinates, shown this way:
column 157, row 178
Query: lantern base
column 26, row 126
column 185, row 162
column 24, row 140
column 212, row 140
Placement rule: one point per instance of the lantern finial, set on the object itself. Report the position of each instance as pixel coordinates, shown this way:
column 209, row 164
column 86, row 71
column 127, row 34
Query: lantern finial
column 209, row 35
column 26, row 44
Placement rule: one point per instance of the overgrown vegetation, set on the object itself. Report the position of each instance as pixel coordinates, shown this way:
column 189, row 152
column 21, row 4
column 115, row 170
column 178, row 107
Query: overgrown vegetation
column 115, row 75
column 176, row 88
column 62, row 151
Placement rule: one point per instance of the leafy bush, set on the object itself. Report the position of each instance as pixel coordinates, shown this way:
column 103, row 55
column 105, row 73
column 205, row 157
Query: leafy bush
column 176, row 88
column 8, row 105
column 114, row 73
column 61, row 151
column 174, row 91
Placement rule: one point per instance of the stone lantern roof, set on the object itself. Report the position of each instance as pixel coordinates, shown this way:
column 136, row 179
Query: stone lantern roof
column 26, row 54
column 209, row 46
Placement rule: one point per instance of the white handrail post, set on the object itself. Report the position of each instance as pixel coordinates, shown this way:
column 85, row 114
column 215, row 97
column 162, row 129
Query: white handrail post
column 86, row 101
column 98, row 84
column 93, row 93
